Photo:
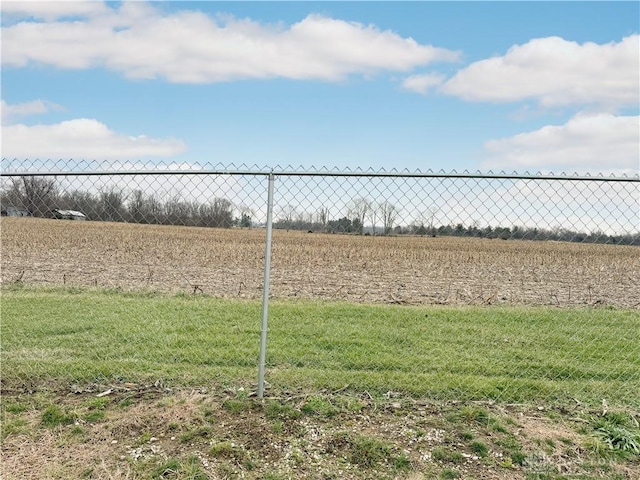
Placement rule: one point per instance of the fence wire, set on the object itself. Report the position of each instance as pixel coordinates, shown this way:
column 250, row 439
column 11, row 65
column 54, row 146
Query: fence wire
column 520, row 248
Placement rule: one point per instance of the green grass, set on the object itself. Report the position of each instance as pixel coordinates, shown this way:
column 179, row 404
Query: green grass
column 54, row 416
column 363, row 450
column 614, row 434
column 508, row 353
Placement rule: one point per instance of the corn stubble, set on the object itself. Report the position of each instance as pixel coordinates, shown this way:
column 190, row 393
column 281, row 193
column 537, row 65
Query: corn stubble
column 404, row 270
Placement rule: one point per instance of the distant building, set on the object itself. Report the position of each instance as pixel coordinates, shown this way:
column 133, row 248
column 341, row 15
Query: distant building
column 69, row 215
column 15, row 212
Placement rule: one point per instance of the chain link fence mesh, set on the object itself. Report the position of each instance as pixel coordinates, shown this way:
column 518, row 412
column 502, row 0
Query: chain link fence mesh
column 539, row 273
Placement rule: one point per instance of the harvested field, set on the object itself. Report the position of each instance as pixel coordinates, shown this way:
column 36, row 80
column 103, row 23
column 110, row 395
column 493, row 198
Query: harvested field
column 229, row 263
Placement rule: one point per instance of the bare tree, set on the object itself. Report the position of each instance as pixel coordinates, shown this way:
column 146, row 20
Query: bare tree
column 136, row 207
column 222, row 212
column 246, row 216
column 11, row 195
column 323, row 217
column 389, row 213
column 36, row 194
column 112, row 205
column 81, row 201
column 372, row 215
column 287, row 214
column 358, row 210
column 155, row 209
column 178, row 211
column 425, row 221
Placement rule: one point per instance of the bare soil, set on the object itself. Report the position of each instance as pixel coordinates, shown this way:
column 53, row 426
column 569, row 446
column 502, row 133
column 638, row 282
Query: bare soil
column 230, row 263
column 150, row 432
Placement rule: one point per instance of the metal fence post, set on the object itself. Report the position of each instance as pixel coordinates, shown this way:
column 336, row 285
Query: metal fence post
column 265, row 289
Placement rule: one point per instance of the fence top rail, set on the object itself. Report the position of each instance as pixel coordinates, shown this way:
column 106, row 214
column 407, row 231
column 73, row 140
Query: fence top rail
column 325, row 173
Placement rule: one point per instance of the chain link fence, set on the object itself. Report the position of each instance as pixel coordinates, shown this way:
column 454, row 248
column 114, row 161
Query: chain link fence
column 543, row 268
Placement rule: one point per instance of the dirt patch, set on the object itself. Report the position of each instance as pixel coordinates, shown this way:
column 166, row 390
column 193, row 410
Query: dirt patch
column 406, row 270
column 136, row 432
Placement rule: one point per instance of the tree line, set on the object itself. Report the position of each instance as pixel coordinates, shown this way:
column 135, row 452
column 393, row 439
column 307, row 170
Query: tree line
column 40, row 196
column 354, row 226
column 365, row 217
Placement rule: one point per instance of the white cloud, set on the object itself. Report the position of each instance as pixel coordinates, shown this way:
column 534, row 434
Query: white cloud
column 82, row 138
column 35, row 107
column 555, row 72
column 594, row 143
column 190, row 47
column 48, row 10
column 422, row 83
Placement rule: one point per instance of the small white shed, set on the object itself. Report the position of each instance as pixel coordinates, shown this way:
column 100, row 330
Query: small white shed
column 69, row 215
column 15, row 212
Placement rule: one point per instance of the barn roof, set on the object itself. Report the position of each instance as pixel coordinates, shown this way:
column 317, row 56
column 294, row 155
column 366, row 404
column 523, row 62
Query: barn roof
column 72, row 213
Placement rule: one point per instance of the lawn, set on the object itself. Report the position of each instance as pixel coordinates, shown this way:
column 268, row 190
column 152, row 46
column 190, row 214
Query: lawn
column 60, row 337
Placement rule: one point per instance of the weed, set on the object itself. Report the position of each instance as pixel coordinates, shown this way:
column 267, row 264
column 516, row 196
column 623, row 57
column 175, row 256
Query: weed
column 272, row 476
column 518, row 457
column 227, row 470
column 479, row 448
column 420, row 433
column 237, row 406
column 614, row 435
column 242, row 394
column 16, row 407
column 13, row 427
column 617, row 418
column 97, row 407
column 319, row 406
column 619, row 438
column 97, row 403
column 353, row 405
column 367, row 451
column 276, row 410
column 199, row 431
column 497, row 427
column 54, row 416
column 513, row 448
column 87, row 473
column 228, row 451
column 296, row 457
column 402, row 462
column 442, row 454
column 542, row 476
column 448, row 474
column 188, row 469
column 168, row 468
column 363, row 450
column 277, row 426
column 126, row 402
column 472, row 414
column 93, row 416
column 209, row 413
column 143, row 438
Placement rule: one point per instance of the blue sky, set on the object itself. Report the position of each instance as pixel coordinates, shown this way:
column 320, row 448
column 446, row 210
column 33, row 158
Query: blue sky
column 514, row 86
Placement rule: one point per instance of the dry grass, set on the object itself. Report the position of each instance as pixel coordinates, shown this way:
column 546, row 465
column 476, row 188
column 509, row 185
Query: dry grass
column 221, row 434
column 229, row 263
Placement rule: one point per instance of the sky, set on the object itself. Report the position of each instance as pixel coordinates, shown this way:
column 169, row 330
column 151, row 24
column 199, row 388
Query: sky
column 479, row 86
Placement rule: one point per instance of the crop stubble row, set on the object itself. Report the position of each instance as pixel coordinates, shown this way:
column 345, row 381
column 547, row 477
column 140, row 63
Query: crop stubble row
column 229, row 263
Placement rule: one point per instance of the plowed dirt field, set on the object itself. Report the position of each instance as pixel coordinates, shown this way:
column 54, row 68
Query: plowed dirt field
column 230, row 262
